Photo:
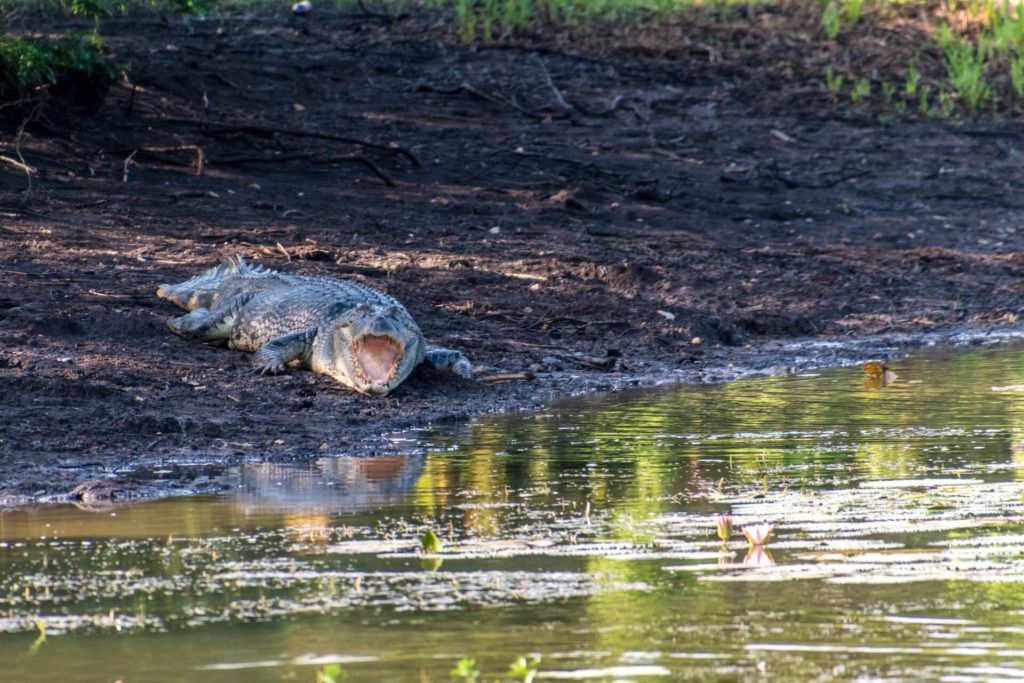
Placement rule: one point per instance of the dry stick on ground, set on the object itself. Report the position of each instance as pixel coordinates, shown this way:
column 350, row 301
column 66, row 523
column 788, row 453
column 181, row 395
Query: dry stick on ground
column 258, row 129
column 607, row 111
column 559, row 99
column 470, row 89
column 131, row 102
column 507, row 377
column 127, row 165
column 198, row 164
column 20, row 165
column 307, row 156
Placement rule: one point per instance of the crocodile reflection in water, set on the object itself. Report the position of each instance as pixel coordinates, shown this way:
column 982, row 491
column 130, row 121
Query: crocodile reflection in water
column 337, row 483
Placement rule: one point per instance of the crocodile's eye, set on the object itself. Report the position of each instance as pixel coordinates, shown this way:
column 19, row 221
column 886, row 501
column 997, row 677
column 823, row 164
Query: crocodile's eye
column 338, row 310
column 392, row 310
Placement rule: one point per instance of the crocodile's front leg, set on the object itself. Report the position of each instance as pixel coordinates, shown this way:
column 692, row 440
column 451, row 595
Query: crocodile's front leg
column 450, row 361
column 273, row 356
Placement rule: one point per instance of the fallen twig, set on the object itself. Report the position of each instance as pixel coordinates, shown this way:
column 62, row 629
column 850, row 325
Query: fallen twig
column 507, row 377
column 17, row 150
column 199, row 194
column 470, row 89
column 559, row 98
column 200, row 156
column 311, row 157
column 21, row 166
column 216, row 75
column 127, row 165
column 607, row 111
column 259, row 129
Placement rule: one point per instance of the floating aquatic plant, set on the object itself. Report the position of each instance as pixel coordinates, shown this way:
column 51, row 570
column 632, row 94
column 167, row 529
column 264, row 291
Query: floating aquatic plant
column 431, row 542
column 758, row 534
column 465, row 670
column 723, row 526
column 524, row 669
column 331, row 673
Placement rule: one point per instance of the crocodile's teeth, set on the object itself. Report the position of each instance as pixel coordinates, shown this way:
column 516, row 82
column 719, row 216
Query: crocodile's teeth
column 378, row 357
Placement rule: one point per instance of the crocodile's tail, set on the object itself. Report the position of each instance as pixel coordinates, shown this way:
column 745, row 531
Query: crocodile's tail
column 200, row 291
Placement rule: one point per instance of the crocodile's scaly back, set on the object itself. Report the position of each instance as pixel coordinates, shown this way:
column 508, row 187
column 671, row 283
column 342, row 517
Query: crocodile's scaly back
column 201, row 290
column 358, row 335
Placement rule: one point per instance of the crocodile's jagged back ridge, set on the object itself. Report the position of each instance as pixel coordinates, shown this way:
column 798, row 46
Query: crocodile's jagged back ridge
column 202, row 290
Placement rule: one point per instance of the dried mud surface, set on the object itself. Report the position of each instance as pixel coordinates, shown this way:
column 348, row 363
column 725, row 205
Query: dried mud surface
column 658, row 210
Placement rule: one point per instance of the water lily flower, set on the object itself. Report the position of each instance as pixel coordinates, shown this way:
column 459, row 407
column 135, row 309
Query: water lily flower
column 758, row 534
column 723, row 525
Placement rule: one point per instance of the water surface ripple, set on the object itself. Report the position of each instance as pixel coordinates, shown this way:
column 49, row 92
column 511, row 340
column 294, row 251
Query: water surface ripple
column 585, row 535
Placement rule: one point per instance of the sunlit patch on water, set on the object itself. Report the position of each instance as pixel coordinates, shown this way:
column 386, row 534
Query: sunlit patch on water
column 303, row 660
column 585, row 535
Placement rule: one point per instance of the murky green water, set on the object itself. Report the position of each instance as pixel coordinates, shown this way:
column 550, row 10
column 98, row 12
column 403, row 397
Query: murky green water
column 584, row 534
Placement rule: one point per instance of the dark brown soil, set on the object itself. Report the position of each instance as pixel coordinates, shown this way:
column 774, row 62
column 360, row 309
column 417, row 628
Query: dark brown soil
column 690, row 207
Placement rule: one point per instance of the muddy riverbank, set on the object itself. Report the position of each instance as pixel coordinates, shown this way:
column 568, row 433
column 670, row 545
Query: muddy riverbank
column 675, row 222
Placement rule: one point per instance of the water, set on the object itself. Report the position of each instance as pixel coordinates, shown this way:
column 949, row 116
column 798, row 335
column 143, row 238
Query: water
column 583, row 534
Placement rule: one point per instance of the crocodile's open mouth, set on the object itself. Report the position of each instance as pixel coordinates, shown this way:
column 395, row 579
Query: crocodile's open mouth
column 377, row 358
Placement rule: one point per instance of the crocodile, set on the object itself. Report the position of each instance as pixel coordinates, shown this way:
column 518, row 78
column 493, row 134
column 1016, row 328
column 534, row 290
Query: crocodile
column 346, row 330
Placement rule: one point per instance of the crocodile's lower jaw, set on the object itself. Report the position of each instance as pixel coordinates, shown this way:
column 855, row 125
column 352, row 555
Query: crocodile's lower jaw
column 377, row 358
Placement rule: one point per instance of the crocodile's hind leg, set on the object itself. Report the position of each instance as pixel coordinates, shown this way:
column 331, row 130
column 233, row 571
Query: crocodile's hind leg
column 450, row 361
column 209, row 325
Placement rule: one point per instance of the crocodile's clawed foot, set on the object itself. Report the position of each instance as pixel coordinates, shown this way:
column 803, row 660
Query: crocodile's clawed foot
column 273, row 366
column 463, row 368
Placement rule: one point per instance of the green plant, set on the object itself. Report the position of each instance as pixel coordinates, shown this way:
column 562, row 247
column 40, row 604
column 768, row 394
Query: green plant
column 488, row 18
column 913, row 78
column 1007, row 27
column 516, row 15
column 47, row 78
column 663, row 8
column 465, row 20
column 965, row 66
column 431, row 542
column 40, row 639
column 1017, row 75
column 947, row 104
column 331, row 673
column 44, row 79
column 831, row 21
column 833, row 82
column 852, row 10
column 523, row 669
column 943, row 36
column 465, row 670
column 924, row 102
column 861, row 89
column 888, row 93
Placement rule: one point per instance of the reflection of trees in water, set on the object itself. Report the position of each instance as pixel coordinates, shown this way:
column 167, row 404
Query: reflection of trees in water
column 638, row 452
column 336, row 483
column 631, row 449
